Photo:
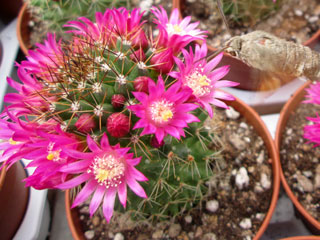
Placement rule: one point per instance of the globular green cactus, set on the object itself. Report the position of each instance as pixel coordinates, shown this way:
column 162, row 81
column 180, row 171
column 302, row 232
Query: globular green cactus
column 177, row 171
column 249, row 12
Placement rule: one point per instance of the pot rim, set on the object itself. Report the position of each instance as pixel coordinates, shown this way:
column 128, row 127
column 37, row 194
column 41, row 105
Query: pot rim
column 302, row 238
column 22, row 43
column 292, row 103
column 254, row 119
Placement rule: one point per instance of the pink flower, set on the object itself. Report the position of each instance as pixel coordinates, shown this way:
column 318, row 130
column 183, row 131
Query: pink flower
column 163, row 112
column 176, row 33
column 48, row 156
column 47, row 55
column 313, row 94
column 203, row 79
column 106, row 171
column 312, row 132
column 112, row 24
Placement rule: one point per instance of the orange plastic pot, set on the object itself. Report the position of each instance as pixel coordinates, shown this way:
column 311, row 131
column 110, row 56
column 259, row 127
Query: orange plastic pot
column 14, row 198
column 285, row 113
column 302, row 238
column 253, row 118
column 248, row 77
column 23, row 31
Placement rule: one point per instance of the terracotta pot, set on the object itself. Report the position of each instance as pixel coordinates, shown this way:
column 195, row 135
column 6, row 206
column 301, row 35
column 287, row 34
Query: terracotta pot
column 302, row 238
column 14, row 198
column 248, row 77
column 285, row 113
column 253, row 118
column 23, row 31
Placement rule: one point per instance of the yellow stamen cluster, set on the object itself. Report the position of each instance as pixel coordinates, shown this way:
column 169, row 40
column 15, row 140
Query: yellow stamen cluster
column 108, row 170
column 199, row 83
column 161, row 111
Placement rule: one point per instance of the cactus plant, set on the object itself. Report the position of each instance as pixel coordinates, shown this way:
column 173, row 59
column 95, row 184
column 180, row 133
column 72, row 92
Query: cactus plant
column 249, row 12
column 114, row 106
column 50, row 15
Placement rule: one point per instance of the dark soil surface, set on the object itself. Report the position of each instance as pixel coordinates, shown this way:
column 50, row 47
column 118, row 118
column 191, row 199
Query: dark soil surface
column 296, row 21
column 300, row 160
column 237, row 201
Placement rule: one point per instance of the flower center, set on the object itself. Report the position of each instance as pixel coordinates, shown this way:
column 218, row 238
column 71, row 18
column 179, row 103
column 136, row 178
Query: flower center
column 161, row 111
column 13, row 142
column 174, row 29
column 108, row 170
column 200, row 84
column 53, row 155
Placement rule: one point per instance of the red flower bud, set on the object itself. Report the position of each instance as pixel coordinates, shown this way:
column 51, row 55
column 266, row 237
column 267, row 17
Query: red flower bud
column 140, row 84
column 140, row 41
column 138, row 56
column 154, row 143
column 117, row 100
column 85, row 123
column 163, row 61
column 118, row 125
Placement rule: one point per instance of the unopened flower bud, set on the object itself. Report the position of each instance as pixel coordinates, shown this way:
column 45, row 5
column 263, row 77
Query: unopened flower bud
column 138, row 56
column 140, row 84
column 85, row 123
column 163, row 61
column 154, row 143
column 118, row 100
column 118, row 125
column 141, row 40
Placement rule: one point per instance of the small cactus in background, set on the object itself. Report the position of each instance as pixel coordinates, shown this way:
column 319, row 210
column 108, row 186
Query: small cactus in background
column 249, row 12
column 50, row 15
column 115, row 107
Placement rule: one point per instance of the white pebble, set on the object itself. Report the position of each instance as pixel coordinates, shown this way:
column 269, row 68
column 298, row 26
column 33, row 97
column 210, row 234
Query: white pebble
column 265, row 181
column 243, row 125
column 307, row 173
column 260, row 158
column 298, row 12
column 232, row 114
column 188, row 219
column 245, row 223
column 313, row 19
column 118, row 236
column 89, row 234
column 260, row 216
column 234, row 172
column 212, row 206
column 242, row 178
column 258, row 188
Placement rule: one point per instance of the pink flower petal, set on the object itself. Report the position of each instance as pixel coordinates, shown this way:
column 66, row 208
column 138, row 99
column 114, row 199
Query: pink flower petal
column 108, row 203
column 85, row 192
column 96, row 199
column 77, row 181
